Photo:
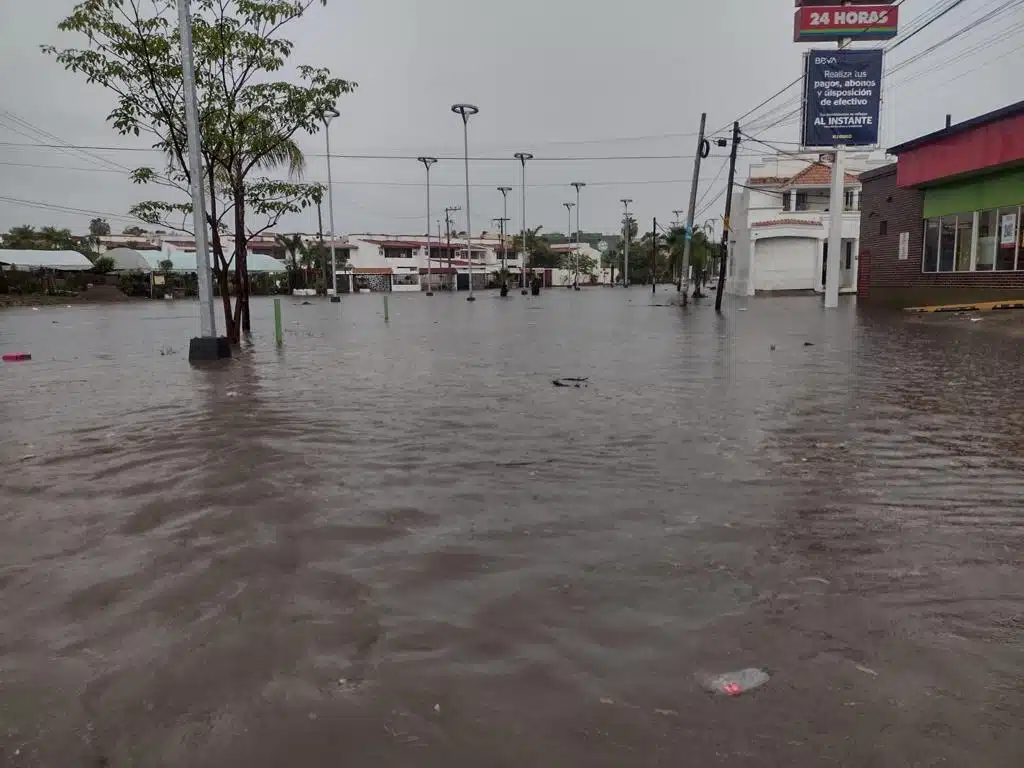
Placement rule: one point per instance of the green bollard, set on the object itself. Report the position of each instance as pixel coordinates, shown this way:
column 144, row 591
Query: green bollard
column 386, row 316
column 277, row 322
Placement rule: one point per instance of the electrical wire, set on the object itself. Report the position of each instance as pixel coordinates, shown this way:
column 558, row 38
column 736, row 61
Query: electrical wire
column 41, row 205
column 787, row 111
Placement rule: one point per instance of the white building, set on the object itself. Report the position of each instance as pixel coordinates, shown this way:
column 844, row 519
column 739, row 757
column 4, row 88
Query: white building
column 400, row 262
column 781, row 223
column 598, row 275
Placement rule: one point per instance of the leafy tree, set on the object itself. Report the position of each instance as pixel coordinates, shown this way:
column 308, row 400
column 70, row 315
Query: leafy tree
column 701, row 252
column 587, row 264
column 45, row 239
column 99, row 228
column 137, row 231
column 249, row 119
column 538, row 250
column 166, row 266
column 103, row 265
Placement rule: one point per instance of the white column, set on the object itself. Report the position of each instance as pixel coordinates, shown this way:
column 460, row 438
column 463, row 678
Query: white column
column 835, row 235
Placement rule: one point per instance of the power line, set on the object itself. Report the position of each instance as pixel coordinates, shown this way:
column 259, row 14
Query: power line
column 414, row 184
column 928, row 18
column 41, row 205
column 925, row 26
column 593, row 158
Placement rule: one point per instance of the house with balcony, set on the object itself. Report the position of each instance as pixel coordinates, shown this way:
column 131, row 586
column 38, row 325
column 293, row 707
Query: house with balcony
column 781, row 224
column 402, row 263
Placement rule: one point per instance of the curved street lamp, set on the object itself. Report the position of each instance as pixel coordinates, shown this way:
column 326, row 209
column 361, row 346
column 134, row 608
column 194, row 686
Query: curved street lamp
column 427, row 162
column 467, row 111
column 328, row 116
column 522, row 157
column 568, row 209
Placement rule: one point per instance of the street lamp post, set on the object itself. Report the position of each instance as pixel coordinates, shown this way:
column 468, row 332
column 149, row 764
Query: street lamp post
column 329, row 115
column 467, row 111
column 625, row 231
column 522, row 157
column 504, row 247
column 568, row 232
column 578, row 185
column 427, row 162
column 206, row 346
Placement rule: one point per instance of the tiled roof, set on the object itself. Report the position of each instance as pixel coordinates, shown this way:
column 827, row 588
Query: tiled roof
column 818, row 174
column 372, row 270
column 769, row 179
column 786, row 223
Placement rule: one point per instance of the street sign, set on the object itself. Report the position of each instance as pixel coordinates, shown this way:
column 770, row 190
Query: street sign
column 842, row 98
column 824, row 23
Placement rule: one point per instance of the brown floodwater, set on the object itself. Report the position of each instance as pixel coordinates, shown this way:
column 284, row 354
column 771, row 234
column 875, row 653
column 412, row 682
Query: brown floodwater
column 399, row 545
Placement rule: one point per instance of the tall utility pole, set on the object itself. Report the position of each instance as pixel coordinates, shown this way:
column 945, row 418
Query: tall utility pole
column 328, row 116
column 568, row 232
column 654, row 255
column 448, row 230
column 728, row 212
column 466, row 111
column 502, row 220
column 578, row 185
column 320, row 240
column 625, row 239
column 522, row 157
column 702, row 148
column 504, row 246
column 207, row 346
column 428, row 162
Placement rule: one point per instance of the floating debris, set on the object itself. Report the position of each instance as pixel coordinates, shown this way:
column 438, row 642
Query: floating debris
column 571, row 381
column 735, row 683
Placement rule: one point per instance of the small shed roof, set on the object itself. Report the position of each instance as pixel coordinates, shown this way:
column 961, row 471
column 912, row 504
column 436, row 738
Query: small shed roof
column 260, row 262
column 71, row 261
column 130, row 259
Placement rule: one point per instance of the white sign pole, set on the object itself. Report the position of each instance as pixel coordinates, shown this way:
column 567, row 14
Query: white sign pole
column 835, row 207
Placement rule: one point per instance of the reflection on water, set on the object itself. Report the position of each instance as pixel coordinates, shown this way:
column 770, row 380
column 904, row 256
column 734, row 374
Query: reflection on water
column 399, row 544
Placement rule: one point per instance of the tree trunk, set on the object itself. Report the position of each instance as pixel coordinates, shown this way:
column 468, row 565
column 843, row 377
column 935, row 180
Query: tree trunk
column 220, row 266
column 241, row 263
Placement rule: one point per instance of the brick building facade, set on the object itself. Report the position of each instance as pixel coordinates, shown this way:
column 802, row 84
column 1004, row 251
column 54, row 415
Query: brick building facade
column 945, row 223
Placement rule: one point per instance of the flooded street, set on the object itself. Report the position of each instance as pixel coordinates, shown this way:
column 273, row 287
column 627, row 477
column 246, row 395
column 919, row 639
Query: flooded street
column 399, row 545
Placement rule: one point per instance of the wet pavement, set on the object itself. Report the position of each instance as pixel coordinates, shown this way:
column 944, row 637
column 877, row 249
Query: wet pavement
column 400, row 545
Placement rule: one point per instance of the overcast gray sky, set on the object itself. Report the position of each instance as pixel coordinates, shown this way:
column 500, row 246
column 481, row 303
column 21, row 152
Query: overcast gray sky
column 559, row 78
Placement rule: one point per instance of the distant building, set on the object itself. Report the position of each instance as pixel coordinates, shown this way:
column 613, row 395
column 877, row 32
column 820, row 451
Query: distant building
column 567, row 274
column 945, row 223
column 400, row 262
column 781, row 223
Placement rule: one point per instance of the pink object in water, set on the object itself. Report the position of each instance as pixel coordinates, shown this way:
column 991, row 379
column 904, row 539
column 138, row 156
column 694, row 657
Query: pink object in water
column 15, row 357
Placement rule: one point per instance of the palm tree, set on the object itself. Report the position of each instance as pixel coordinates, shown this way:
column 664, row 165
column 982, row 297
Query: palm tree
column 308, row 261
column 291, row 245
